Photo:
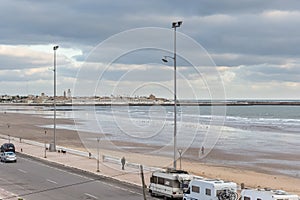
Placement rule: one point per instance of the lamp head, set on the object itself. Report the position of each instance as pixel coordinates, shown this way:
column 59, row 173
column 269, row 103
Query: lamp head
column 55, row 47
column 164, row 59
column 176, row 24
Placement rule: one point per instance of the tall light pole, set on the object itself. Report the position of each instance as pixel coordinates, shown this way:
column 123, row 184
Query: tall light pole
column 54, row 100
column 8, row 125
column 174, row 25
column 45, row 152
column 180, row 153
column 98, row 154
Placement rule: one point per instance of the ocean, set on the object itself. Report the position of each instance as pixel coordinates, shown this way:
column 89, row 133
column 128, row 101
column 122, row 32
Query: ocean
column 262, row 137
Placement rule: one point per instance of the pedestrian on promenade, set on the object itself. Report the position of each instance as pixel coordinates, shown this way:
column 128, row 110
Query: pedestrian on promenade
column 123, row 161
column 202, row 150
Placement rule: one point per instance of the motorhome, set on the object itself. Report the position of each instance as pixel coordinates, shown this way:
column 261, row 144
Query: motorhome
column 267, row 194
column 211, row 189
column 170, row 183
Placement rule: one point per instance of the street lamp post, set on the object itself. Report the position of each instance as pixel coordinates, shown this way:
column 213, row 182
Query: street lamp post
column 180, row 153
column 8, row 125
column 54, row 100
column 45, row 153
column 174, row 25
column 98, row 156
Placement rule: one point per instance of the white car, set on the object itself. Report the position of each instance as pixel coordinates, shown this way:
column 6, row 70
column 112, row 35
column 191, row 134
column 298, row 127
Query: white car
column 8, row 157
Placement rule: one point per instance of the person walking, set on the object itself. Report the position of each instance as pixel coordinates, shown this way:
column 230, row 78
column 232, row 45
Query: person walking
column 202, row 150
column 123, row 161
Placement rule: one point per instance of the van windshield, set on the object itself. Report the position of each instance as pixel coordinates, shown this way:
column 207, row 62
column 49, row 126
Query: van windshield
column 185, row 184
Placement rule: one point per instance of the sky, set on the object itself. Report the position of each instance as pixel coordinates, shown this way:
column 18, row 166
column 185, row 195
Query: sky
column 231, row 49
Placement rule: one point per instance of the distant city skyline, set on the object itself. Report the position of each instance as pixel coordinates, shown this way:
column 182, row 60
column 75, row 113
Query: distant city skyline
column 254, row 47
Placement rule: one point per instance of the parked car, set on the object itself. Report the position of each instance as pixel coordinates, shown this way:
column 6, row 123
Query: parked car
column 8, row 147
column 8, row 157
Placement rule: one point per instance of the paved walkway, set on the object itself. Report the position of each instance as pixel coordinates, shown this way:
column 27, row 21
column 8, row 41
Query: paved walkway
column 108, row 166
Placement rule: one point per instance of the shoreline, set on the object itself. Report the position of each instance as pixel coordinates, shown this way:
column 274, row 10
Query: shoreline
column 170, row 103
column 29, row 126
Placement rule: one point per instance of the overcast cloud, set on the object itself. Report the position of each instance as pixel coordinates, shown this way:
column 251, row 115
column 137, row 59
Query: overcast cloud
column 254, row 45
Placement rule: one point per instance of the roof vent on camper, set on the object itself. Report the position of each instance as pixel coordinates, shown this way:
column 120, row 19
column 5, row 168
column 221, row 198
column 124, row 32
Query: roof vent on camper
column 280, row 192
column 171, row 170
column 213, row 180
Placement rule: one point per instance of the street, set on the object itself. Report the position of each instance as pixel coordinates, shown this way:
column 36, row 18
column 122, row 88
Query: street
column 31, row 178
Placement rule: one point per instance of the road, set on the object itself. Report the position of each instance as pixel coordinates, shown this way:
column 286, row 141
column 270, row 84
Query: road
column 31, row 178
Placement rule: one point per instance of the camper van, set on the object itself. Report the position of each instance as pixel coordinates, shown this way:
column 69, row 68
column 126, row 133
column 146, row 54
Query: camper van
column 169, row 184
column 211, row 189
column 267, row 194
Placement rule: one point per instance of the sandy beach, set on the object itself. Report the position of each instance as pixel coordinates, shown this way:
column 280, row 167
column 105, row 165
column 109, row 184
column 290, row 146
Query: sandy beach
column 30, row 127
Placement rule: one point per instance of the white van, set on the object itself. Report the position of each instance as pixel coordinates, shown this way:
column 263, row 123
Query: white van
column 267, row 194
column 211, row 189
column 169, row 184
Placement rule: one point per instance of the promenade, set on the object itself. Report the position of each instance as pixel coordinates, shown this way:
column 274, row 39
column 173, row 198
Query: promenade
column 108, row 166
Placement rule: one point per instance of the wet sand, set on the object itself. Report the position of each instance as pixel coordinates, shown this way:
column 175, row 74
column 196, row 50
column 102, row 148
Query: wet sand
column 29, row 127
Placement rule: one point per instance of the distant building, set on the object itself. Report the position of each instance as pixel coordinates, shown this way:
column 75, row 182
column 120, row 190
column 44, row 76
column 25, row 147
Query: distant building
column 69, row 94
column 152, row 97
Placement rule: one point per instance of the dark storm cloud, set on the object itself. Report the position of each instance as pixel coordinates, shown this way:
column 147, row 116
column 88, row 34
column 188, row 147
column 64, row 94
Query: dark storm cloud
column 90, row 22
column 81, row 21
column 260, row 36
column 28, row 22
column 251, row 34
